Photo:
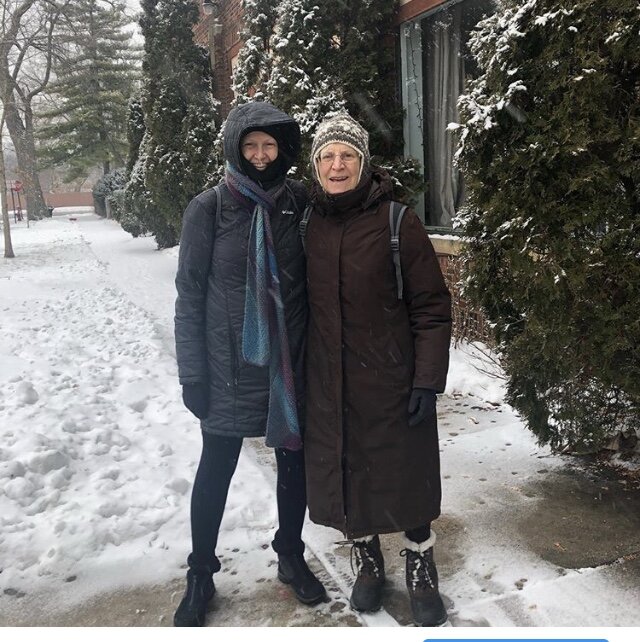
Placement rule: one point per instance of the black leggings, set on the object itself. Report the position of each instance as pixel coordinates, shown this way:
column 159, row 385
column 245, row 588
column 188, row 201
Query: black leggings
column 217, row 464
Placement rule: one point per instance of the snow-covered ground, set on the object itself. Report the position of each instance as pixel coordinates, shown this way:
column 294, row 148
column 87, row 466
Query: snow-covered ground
column 97, row 453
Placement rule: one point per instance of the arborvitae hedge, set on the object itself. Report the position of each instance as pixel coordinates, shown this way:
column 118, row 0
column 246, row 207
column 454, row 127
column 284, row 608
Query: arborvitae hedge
column 550, row 148
column 176, row 150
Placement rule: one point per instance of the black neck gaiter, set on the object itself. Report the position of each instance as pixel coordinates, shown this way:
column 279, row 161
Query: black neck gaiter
column 273, row 174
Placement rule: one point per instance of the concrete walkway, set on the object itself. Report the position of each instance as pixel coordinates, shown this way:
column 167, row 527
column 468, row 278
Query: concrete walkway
column 526, row 538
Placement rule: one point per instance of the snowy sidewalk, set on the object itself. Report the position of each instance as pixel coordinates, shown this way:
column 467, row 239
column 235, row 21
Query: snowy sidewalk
column 97, row 456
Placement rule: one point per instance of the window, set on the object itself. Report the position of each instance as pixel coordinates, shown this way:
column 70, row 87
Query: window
column 436, row 65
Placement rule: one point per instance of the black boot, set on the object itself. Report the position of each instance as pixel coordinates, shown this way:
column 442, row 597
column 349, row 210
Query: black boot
column 367, row 590
column 293, row 570
column 200, row 589
column 422, row 583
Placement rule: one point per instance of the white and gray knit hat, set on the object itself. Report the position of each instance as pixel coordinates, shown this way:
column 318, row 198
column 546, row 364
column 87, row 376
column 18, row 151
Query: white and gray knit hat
column 341, row 129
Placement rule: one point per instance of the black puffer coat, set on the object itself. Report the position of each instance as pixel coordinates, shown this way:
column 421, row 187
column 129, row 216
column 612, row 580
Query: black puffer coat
column 212, row 269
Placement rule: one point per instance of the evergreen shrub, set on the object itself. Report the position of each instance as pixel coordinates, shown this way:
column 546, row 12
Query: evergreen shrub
column 550, row 147
column 173, row 122
column 406, row 173
column 104, row 188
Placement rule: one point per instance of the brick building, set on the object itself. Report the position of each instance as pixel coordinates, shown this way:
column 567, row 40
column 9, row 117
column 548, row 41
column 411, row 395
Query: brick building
column 219, row 31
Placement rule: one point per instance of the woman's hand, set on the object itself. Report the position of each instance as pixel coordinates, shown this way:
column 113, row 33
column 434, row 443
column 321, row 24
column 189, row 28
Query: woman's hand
column 422, row 404
column 196, row 398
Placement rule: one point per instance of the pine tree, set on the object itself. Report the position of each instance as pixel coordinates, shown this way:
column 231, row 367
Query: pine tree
column 94, row 81
column 550, row 148
column 176, row 152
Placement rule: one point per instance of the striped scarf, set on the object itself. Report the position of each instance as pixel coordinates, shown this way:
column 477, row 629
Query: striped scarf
column 264, row 332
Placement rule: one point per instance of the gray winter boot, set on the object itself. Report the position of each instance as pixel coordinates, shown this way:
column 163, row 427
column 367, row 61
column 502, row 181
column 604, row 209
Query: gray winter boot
column 367, row 590
column 422, row 583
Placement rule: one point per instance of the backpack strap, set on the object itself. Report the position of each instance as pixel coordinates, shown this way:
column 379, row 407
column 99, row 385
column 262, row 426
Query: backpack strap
column 216, row 218
column 302, row 226
column 396, row 212
column 216, row 189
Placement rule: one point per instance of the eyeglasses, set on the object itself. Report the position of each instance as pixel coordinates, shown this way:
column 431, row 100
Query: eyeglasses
column 345, row 157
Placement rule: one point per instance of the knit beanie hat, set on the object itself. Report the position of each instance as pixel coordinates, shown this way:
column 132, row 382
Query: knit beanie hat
column 341, row 129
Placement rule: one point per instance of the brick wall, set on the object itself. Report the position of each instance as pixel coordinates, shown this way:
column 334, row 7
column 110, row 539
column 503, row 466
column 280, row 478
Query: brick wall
column 68, row 199
column 201, row 30
column 224, row 43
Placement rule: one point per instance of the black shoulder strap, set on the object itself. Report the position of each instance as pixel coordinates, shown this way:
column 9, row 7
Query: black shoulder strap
column 396, row 212
column 292, row 195
column 216, row 218
column 302, row 226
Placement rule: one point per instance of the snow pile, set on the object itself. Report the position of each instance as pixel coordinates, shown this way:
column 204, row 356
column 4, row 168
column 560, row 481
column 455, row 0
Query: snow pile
column 474, row 371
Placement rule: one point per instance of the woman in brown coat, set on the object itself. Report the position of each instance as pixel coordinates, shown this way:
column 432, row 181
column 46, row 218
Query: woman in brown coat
column 375, row 364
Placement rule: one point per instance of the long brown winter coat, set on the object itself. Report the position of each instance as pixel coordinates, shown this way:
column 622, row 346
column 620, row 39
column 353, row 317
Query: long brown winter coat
column 368, row 471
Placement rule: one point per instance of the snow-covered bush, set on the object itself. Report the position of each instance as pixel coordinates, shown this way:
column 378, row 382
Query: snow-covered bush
column 550, row 147
column 135, row 130
column 128, row 221
column 408, row 181
column 105, row 186
column 115, row 203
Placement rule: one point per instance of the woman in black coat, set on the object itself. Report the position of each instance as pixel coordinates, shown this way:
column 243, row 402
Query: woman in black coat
column 239, row 327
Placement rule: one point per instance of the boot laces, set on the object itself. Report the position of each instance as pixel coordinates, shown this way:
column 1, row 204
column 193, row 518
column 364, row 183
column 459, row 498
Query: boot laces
column 418, row 569
column 366, row 563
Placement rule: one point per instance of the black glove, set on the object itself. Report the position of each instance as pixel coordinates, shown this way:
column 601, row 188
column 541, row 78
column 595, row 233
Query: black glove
column 196, row 398
column 422, row 404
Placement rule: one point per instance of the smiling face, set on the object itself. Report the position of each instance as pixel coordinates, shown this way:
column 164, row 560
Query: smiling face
column 338, row 168
column 259, row 149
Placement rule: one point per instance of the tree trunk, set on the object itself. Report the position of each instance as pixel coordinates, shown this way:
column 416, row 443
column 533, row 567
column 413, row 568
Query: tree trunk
column 8, row 247
column 25, row 147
